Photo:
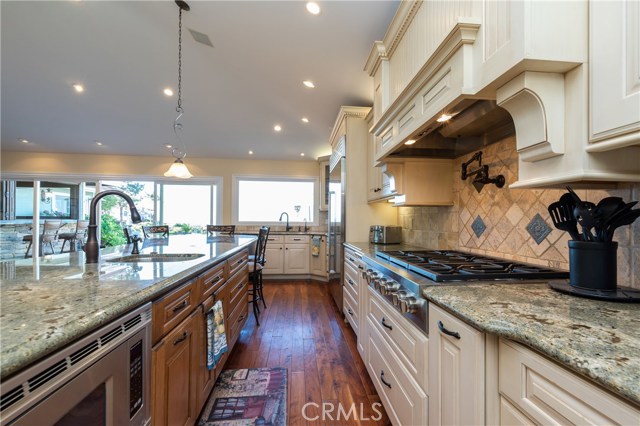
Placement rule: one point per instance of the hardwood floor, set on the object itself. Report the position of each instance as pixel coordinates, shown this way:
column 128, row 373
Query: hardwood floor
column 302, row 330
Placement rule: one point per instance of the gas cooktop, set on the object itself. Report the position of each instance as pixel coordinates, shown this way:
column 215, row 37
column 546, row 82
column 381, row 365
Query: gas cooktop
column 451, row 265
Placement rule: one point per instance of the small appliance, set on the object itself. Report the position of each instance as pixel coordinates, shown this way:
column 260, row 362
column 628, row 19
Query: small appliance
column 380, row 234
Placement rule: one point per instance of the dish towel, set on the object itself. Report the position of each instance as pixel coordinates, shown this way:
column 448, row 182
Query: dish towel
column 216, row 338
column 315, row 245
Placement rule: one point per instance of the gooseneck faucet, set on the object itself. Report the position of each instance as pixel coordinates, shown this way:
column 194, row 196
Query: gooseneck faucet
column 92, row 247
column 280, row 220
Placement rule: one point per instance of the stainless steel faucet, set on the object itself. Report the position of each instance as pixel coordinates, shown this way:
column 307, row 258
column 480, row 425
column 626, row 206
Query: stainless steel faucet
column 280, row 220
column 92, row 247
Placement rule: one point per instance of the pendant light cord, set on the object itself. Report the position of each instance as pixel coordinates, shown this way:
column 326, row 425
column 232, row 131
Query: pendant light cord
column 179, row 154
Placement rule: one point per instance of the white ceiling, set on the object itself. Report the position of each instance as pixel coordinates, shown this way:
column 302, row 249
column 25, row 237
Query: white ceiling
column 125, row 54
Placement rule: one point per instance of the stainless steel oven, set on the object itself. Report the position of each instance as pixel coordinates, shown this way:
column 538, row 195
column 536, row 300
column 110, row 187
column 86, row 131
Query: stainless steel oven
column 102, row 379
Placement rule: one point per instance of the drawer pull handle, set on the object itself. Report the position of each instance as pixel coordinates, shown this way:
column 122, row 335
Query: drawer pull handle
column 240, row 261
column 352, row 259
column 297, row 239
column 351, row 282
column 447, row 332
column 216, row 279
column 181, row 338
column 241, row 318
column 350, row 311
column 240, row 286
column 360, row 267
column 181, row 306
column 384, row 382
column 384, row 324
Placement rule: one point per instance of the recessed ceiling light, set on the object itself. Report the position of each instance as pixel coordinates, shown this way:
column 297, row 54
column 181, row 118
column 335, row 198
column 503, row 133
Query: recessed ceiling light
column 168, row 146
column 410, row 142
column 250, row 152
column 23, row 140
column 78, row 88
column 277, row 128
column 168, row 92
column 443, row 118
column 98, row 143
column 309, row 84
column 302, row 154
column 305, row 120
column 313, row 7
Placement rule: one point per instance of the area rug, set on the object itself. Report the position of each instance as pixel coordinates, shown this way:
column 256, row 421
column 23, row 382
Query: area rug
column 254, row 396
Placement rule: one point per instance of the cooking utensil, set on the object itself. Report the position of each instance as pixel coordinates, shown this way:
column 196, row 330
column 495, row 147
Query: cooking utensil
column 584, row 213
column 625, row 219
column 562, row 216
column 605, row 209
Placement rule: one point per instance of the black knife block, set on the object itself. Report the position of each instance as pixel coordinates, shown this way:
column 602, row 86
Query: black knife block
column 593, row 265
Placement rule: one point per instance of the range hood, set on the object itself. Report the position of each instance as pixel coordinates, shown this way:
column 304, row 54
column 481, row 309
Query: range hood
column 477, row 124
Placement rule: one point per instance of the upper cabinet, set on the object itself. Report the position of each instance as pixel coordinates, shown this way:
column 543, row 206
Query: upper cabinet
column 567, row 74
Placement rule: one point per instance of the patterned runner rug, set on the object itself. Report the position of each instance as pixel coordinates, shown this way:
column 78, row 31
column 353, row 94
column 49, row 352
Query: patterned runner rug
column 255, row 396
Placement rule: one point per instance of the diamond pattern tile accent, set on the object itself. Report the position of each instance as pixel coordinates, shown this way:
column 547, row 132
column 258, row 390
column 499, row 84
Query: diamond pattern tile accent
column 538, row 229
column 478, row 226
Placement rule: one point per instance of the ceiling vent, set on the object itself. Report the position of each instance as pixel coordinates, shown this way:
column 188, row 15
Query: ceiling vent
column 200, row 37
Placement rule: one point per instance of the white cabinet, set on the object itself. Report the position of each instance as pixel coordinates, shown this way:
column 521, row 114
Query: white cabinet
column 296, row 256
column 420, row 182
column 318, row 264
column 456, row 371
column 614, row 69
column 540, row 392
column 287, row 254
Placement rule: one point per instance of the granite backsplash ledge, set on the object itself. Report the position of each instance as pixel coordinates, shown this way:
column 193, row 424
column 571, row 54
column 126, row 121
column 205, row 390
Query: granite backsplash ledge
column 513, row 223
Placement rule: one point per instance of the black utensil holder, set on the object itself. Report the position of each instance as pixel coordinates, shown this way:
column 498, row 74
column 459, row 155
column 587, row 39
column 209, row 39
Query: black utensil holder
column 593, row 265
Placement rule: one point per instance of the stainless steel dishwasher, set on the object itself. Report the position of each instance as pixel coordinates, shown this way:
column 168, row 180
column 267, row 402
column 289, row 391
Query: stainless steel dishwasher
column 102, row 379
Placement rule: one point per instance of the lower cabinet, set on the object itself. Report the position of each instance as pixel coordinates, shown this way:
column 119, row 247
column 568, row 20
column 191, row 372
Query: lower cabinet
column 456, row 371
column 174, row 366
column 318, row 264
column 288, row 255
column 534, row 390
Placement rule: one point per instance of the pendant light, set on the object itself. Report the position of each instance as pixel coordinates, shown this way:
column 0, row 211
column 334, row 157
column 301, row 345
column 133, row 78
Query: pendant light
column 178, row 168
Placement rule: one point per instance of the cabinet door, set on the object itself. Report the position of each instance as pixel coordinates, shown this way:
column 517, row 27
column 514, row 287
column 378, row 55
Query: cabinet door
column 175, row 374
column 374, row 174
column 456, row 366
column 317, row 264
column 296, row 259
column 614, row 66
column 324, row 185
column 274, row 256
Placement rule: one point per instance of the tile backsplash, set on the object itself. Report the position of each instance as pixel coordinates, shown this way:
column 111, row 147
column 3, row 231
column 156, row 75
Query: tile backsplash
column 513, row 223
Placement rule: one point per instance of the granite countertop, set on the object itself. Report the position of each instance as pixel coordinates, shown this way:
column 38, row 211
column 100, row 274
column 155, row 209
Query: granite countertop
column 47, row 303
column 597, row 339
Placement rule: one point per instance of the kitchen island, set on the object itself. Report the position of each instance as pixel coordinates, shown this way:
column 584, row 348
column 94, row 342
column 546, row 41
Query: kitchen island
column 596, row 339
column 47, row 303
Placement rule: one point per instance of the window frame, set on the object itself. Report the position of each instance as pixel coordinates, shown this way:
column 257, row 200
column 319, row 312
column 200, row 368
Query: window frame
column 273, row 178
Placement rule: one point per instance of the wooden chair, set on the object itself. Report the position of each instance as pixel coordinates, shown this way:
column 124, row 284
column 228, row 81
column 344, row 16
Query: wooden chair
column 215, row 230
column 73, row 237
column 156, row 231
column 255, row 272
column 48, row 236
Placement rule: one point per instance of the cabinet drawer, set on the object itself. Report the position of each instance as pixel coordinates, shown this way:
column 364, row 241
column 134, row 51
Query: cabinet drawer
column 238, row 286
column 404, row 401
column 275, row 239
column 237, row 262
column 168, row 311
column 296, row 239
column 211, row 281
column 351, row 311
column 351, row 280
column 550, row 394
column 410, row 345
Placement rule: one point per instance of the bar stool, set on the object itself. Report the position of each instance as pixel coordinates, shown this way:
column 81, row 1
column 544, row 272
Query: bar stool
column 255, row 272
column 72, row 237
column 156, row 231
column 48, row 236
column 215, row 230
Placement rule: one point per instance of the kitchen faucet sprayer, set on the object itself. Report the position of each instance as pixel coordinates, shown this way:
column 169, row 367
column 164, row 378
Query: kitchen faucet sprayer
column 92, row 247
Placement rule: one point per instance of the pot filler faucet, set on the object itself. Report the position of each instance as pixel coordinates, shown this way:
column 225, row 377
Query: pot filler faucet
column 91, row 247
column 280, row 220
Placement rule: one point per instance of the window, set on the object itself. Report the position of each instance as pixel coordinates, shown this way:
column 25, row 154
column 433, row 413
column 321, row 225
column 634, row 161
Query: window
column 261, row 200
column 57, row 200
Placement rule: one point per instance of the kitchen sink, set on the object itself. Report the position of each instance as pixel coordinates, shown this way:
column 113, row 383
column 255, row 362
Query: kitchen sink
column 157, row 257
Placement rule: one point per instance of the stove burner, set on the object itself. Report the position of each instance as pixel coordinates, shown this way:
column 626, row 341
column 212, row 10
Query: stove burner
column 449, row 265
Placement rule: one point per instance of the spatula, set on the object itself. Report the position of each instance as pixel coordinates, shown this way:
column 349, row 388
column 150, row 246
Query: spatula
column 561, row 213
column 625, row 219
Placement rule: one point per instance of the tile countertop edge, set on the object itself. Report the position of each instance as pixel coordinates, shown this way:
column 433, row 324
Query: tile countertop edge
column 628, row 389
column 110, row 313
